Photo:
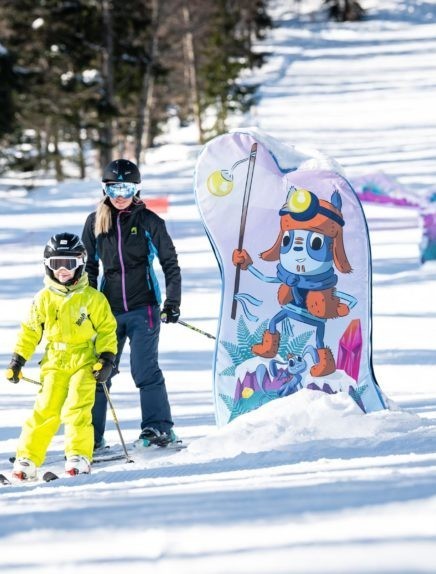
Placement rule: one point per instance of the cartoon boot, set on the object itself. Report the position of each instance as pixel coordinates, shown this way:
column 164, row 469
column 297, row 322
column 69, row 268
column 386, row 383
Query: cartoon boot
column 326, row 364
column 325, row 304
column 269, row 346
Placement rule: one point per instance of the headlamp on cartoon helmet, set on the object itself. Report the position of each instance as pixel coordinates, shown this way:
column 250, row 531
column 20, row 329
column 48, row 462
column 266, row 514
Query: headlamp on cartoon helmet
column 303, row 205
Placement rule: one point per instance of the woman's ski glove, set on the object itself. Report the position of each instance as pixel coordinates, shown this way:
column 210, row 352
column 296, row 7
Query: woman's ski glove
column 170, row 314
column 13, row 373
column 102, row 370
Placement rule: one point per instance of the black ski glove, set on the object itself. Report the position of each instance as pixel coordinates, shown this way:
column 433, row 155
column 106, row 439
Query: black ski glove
column 170, row 313
column 13, row 373
column 102, row 370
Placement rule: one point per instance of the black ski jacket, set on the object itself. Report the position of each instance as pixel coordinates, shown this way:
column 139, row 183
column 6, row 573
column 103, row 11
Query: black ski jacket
column 127, row 251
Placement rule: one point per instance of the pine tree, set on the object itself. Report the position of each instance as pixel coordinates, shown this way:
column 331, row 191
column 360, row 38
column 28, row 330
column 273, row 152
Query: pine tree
column 111, row 72
column 227, row 53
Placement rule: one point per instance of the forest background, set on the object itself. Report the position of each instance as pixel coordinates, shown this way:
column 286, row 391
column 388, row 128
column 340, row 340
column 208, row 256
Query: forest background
column 102, row 78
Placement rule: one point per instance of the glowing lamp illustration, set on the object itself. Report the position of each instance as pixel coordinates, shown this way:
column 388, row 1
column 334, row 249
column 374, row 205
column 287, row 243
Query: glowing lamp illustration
column 299, row 201
column 220, row 182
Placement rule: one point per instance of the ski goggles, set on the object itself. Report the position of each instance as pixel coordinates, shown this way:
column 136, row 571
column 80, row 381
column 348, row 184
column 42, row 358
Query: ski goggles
column 69, row 263
column 124, row 189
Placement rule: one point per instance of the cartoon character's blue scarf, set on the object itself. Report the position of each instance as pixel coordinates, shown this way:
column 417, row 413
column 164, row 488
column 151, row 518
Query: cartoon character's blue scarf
column 318, row 282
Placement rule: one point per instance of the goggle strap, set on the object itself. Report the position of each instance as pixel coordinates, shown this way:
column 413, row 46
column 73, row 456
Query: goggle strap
column 320, row 209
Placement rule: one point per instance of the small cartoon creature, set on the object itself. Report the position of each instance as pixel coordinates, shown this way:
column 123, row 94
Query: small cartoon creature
column 288, row 374
column 308, row 247
column 291, row 376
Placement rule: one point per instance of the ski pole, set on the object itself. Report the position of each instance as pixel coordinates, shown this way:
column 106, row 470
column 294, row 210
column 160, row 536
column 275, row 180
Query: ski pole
column 196, row 329
column 9, row 374
column 117, row 424
column 31, row 381
column 245, row 201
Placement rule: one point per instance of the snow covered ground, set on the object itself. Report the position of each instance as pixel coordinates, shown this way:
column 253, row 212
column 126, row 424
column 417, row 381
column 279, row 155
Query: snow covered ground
column 306, row 483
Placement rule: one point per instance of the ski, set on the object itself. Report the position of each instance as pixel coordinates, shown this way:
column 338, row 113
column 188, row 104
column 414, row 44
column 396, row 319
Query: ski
column 106, row 455
column 4, row 479
column 171, row 446
column 103, row 455
column 115, row 454
column 109, row 458
column 49, row 476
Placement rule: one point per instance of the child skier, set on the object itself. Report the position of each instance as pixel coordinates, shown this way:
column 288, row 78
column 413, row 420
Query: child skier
column 81, row 346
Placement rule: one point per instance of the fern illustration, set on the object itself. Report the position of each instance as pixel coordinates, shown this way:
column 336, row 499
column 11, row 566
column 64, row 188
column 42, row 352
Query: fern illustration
column 243, row 406
column 228, row 401
column 360, row 390
column 229, row 371
column 240, row 351
column 295, row 345
column 243, row 334
column 258, row 333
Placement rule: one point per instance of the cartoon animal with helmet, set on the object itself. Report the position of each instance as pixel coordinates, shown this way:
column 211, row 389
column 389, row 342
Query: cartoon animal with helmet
column 308, row 248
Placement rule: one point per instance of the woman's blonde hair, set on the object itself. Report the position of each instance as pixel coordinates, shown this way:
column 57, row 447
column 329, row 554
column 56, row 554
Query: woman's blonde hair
column 103, row 216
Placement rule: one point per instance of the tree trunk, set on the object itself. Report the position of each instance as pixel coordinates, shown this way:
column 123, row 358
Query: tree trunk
column 81, row 156
column 191, row 70
column 106, row 130
column 143, row 124
column 57, row 156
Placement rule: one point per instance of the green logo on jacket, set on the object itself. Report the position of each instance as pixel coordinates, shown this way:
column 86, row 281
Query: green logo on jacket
column 81, row 318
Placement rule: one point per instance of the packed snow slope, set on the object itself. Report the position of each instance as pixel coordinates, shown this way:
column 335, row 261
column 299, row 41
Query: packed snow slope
column 306, row 483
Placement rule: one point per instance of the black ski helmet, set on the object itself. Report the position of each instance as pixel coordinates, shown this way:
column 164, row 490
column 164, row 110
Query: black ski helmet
column 65, row 245
column 121, row 170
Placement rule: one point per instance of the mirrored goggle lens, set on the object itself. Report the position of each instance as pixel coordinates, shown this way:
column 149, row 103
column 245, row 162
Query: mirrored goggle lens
column 122, row 189
column 69, row 263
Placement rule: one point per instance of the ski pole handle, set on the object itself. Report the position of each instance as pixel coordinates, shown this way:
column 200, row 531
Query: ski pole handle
column 196, row 329
column 10, row 376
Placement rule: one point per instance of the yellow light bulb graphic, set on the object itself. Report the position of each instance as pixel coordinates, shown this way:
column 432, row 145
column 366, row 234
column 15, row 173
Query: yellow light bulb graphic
column 220, row 182
column 299, row 201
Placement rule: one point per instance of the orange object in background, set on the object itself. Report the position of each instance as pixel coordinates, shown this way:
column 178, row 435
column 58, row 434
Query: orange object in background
column 158, row 204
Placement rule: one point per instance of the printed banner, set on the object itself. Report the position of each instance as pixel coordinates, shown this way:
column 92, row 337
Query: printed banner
column 292, row 245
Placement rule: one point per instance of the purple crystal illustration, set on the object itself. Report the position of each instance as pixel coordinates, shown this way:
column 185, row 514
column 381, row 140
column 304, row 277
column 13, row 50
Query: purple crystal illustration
column 350, row 349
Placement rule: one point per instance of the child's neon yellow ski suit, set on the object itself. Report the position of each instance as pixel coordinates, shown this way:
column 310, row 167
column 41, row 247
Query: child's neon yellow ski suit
column 78, row 326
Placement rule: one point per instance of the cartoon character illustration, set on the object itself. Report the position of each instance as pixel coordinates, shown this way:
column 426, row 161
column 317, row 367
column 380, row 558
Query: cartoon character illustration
column 309, row 247
column 290, row 374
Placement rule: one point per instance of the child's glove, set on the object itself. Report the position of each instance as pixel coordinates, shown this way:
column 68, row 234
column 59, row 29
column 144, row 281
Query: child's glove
column 170, row 313
column 13, row 372
column 102, row 370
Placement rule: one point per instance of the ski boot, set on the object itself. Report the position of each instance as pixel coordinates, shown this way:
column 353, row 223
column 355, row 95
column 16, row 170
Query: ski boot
column 77, row 464
column 151, row 436
column 24, row 469
column 100, row 445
